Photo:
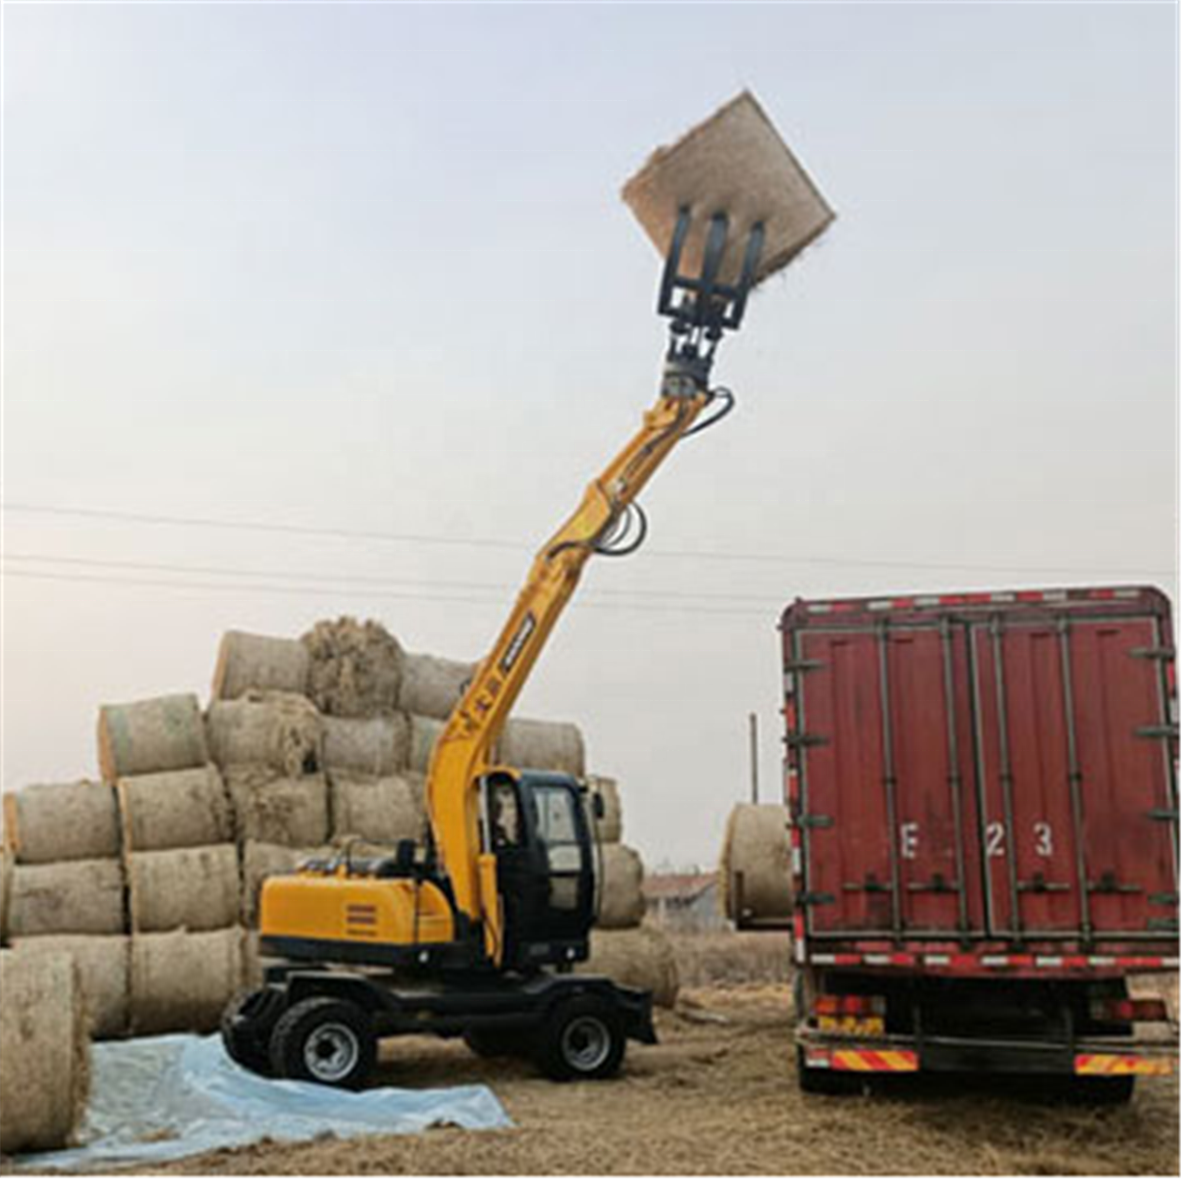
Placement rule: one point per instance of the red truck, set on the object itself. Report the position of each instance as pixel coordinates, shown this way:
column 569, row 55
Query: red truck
column 984, row 824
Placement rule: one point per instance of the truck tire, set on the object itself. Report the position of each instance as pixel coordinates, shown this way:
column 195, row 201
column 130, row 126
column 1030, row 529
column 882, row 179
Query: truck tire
column 324, row 1040
column 498, row 1043
column 582, row 1038
column 246, row 1026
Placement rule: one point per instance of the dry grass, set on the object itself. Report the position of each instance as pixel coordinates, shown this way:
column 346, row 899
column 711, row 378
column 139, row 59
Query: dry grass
column 721, row 1097
column 731, row 957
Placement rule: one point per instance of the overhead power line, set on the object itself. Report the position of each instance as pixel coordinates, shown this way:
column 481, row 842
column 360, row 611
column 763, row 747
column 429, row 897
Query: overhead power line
column 702, row 555
column 367, row 579
column 764, row 617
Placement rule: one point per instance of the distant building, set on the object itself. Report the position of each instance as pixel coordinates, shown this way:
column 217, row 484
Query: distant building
column 684, row 901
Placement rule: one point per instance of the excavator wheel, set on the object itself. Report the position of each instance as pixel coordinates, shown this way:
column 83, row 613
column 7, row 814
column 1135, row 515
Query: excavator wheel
column 324, row 1040
column 583, row 1038
column 246, row 1028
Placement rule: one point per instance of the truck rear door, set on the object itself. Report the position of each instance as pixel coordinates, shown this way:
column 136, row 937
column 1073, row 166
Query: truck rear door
column 1074, row 777
column 883, row 747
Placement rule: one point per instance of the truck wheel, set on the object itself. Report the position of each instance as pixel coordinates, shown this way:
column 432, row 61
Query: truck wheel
column 582, row 1038
column 246, row 1028
column 497, row 1043
column 324, row 1040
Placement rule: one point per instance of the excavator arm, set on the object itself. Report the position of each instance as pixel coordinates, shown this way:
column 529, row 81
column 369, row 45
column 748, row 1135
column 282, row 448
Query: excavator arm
column 700, row 308
column 464, row 750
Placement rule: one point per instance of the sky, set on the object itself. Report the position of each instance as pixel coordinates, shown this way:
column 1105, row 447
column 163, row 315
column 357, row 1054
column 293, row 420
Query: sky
column 365, row 270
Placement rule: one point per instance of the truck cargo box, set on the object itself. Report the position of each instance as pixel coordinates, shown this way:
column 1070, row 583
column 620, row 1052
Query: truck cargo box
column 984, row 781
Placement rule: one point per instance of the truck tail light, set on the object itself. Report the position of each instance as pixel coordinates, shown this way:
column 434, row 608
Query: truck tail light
column 849, row 1006
column 1141, row 1009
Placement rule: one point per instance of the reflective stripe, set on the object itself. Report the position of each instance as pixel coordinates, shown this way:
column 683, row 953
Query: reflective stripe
column 875, row 1061
column 1121, row 1064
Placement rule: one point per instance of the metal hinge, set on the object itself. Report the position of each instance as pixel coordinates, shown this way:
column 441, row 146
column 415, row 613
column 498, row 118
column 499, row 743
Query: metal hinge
column 816, row 898
column 814, row 820
column 801, row 740
column 1107, row 884
column 1153, row 653
column 1163, row 899
column 1039, row 885
column 1169, row 815
column 802, row 666
column 1161, row 924
column 1159, row 730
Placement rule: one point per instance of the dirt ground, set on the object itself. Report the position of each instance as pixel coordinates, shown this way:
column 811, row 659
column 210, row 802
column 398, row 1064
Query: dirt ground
column 719, row 1096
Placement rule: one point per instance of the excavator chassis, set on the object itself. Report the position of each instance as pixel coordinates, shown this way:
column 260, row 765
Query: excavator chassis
column 321, row 1024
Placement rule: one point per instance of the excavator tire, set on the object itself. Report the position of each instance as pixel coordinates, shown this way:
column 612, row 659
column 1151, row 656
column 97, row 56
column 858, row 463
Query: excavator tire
column 324, row 1040
column 246, row 1028
column 498, row 1043
column 583, row 1038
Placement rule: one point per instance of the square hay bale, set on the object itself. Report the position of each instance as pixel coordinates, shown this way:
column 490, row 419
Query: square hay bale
column 735, row 162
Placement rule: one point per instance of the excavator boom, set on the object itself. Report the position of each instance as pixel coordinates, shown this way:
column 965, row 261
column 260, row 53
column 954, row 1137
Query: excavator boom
column 463, row 752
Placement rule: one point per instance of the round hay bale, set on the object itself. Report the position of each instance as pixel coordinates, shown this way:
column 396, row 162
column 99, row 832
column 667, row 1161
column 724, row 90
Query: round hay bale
column 355, row 669
column 367, row 746
column 104, row 975
column 610, row 828
column 424, row 733
column 246, row 661
column 431, row 685
column 282, row 731
column 621, row 894
column 385, row 810
column 754, row 871
column 277, row 810
column 261, row 861
column 192, row 888
column 181, row 981
column 67, row 898
column 61, row 822
column 640, row 958
column 160, row 734
column 175, row 809
column 44, row 1052
column 542, row 746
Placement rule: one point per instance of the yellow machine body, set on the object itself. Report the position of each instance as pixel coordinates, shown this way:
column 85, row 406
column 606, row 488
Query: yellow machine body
column 345, row 908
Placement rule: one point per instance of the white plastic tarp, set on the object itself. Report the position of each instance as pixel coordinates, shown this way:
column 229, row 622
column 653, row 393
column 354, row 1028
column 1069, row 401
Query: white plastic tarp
column 160, row 1098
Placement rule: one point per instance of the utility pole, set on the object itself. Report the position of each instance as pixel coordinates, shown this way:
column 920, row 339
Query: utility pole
column 754, row 758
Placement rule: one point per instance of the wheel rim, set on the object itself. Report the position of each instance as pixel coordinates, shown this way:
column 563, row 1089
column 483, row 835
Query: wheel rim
column 586, row 1043
column 331, row 1052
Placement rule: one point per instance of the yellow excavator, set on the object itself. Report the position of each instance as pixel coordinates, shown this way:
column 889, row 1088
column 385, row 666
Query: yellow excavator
column 476, row 935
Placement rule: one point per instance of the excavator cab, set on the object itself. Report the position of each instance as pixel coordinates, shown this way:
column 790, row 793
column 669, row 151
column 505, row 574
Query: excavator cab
column 536, row 826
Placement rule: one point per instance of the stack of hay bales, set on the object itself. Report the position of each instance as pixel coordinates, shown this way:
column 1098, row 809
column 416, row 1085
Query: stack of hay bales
column 44, row 1051
column 268, row 738
column 65, row 890
column 135, row 878
column 146, row 878
column 621, row 947
column 180, row 861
